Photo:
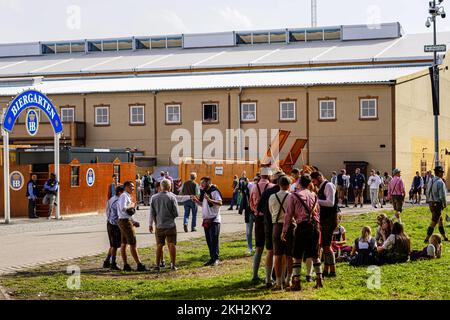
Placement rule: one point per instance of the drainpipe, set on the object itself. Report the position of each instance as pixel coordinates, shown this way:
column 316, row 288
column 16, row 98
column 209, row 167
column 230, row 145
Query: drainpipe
column 241, row 147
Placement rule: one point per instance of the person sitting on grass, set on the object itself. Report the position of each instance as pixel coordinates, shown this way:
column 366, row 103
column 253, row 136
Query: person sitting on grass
column 384, row 228
column 113, row 229
column 432, row 251
column 338, row 242
column 364, row 250
column 396, row 248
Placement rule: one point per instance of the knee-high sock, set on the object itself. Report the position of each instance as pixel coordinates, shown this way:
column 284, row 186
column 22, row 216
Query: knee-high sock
column 296, row 268
column 309, row 267
column 256, row 263
column 318, row 268
column 268, row 274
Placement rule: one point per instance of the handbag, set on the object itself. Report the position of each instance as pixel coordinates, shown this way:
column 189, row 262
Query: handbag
column 130, row 211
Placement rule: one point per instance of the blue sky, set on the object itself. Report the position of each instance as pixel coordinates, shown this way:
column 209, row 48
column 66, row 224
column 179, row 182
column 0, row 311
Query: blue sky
column 31, row 20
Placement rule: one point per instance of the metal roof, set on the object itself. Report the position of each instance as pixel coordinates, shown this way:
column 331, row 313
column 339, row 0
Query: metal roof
column 215, row 80
column 406, row 48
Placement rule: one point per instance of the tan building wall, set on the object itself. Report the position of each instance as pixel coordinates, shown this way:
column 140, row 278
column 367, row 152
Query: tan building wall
column 415, row 123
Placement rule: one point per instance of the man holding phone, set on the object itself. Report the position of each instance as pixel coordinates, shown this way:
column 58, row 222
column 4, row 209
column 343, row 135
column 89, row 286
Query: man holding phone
column 127, row 227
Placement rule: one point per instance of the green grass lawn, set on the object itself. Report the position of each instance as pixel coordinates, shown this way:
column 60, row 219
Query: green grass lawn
column 231, row 280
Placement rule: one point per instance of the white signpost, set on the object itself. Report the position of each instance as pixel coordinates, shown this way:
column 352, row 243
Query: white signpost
column 23, row 101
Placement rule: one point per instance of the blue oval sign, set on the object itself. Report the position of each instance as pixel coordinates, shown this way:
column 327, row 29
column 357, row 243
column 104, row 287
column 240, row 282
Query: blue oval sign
column 35, row 99
column 90, row 177
column 32, row 122
column 16, row 180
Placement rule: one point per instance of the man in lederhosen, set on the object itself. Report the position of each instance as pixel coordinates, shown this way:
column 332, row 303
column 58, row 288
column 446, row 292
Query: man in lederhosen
column 436, row 198
column 328, row 217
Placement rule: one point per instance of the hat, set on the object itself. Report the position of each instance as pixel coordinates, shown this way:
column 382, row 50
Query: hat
column 266, row 171
column 278, row 174
column 396, row 171
column 439, row 169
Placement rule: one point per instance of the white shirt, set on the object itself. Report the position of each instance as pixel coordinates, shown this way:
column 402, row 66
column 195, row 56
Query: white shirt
column 124, row 203
column 374, row 182
column 212, row 212
column 330, row 193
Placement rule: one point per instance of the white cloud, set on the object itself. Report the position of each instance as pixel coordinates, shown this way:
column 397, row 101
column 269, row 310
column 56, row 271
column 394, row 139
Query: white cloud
column 172, row 19
column 235, row 18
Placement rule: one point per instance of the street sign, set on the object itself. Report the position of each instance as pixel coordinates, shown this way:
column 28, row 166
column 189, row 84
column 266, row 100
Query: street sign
column 435, row 48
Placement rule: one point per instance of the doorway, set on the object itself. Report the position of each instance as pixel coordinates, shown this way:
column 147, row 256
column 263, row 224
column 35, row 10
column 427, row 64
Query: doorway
column 350, row 167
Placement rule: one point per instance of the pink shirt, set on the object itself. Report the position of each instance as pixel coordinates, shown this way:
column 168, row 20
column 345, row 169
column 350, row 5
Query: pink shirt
column 255, row 196
column 396, row 187
column 296, row 210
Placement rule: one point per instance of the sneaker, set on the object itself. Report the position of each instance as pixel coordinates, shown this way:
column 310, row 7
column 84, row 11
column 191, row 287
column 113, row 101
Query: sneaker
column 356, row 205
column 194, row 229
column 106, row 264
column 249, row 251
column 375, row 207
column 215, row 263
column 185, row 228
column 308, row 278
column 445, row 238
column 49, row 218
column 296, row 284
column 210, row 262
column 230, row 208
column 127, row 268
column 361, row 205
column 173, row 268
column 114, row 267
column 162, row 264
column 141, row 268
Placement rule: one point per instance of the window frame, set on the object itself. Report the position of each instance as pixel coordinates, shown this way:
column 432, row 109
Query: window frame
column 173, row 104
column 327, row 100
column 366, row 118
column 203, row 112
column 102, row 106
column 67, row 108
column 72, row 176
column 130, row 114
column 116, row 165
column 249, row 102
column 280, row 118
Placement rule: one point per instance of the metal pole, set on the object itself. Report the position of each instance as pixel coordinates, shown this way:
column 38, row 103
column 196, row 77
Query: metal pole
column 7, row 208
column 58, row 193
column 435, row 77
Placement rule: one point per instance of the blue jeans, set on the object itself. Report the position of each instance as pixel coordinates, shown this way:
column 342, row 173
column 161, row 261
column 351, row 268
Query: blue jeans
column 188, row 206
column 212, row 239
column 249, row 231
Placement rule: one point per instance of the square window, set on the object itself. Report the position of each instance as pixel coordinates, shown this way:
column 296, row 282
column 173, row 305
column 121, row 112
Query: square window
column 327, row 110
column 287, row 110
column 116, row 171
column 173, row 113
column 368, row 109
column 248, row 111
column 68, row 114
column 102, row 116
column 75, row 176
column 210, row 112
column 137, row 115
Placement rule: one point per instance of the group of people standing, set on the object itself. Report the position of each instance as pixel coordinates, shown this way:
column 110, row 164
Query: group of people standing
column 163, row 212
column 50, row 192
column 294, row 219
